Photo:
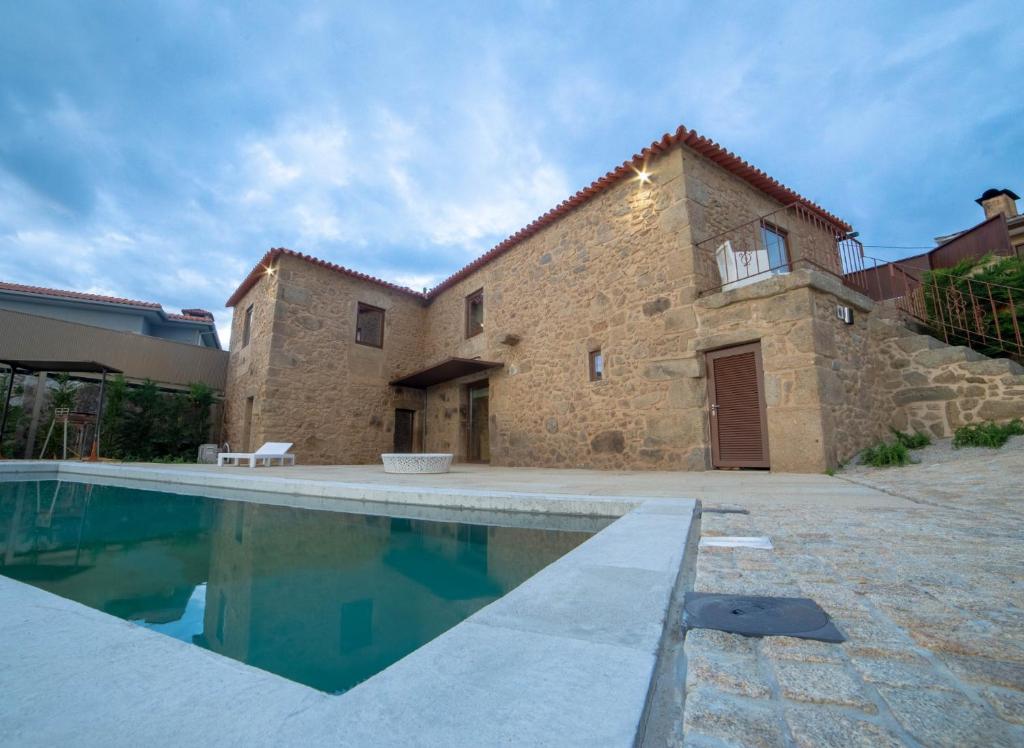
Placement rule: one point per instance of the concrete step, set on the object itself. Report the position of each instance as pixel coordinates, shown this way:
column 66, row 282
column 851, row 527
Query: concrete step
column 915, row 343
column 948, row 354
column 990, row 366
column 885, row 328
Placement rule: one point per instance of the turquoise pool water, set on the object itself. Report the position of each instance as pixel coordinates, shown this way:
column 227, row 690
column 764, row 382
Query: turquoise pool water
column 323, row 598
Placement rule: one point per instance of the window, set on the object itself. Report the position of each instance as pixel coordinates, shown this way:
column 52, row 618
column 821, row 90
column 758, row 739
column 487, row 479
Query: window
column 596, row 366
column 247, row 326
column 774, row 240
column 370, row 325
column 475, row 313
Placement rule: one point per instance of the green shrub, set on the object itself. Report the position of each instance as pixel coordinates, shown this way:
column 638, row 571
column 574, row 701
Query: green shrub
column 143, row 424
column 886, row 454
column 917, row 440
column 988, row 434
column 969, row 277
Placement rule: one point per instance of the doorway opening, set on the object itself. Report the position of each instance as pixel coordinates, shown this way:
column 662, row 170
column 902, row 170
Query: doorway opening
column 404, row 430
column 478, row 447
column 247, row 424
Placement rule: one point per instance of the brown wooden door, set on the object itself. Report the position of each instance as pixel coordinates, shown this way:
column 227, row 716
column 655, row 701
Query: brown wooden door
column 739, row 429
column 404, row 420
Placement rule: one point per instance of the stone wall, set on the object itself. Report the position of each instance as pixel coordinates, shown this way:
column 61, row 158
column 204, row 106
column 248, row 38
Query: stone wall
column 248, row 367
column 317, row 387
column 721, row 207
column 602, row 277
column 880, row 375
column 782, row 313
column 937, row 388
column 618, row 273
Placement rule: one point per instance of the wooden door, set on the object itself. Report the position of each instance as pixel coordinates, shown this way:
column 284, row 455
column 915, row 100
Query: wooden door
column 404, row 420
column 739, row 428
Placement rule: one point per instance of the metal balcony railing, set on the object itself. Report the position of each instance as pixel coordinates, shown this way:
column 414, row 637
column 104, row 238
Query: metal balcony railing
column 781, row 241
column 959, row 309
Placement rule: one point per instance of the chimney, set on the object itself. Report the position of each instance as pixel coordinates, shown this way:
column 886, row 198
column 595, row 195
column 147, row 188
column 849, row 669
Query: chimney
column 197, row 313
column 998, row 201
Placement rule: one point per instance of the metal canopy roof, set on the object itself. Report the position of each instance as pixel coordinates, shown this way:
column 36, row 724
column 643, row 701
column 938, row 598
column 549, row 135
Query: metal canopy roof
column 451, row 368
column 64, row 366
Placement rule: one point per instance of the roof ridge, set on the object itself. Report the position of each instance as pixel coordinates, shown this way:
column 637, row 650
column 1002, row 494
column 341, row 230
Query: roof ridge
column 703, row 146
column 272, row 254
column 83, row 295
column 682, row 136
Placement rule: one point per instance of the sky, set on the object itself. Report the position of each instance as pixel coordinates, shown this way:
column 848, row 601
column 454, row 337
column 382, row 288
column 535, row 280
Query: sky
column 157, row 150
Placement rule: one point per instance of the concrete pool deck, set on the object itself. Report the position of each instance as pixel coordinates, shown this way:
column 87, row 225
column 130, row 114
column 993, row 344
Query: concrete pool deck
column 569, row 657
column 600, row 492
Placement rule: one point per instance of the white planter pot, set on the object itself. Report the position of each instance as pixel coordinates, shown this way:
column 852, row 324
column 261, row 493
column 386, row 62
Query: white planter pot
column 417, row 463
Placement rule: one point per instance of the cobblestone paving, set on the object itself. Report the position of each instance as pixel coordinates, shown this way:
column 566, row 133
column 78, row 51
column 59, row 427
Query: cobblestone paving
column 929, row 594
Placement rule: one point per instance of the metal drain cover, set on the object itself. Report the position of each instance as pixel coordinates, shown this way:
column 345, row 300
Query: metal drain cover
column 749, row 615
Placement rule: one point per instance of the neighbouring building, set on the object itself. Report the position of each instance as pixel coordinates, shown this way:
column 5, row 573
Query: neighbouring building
column 192, row 326
column 138, row 338
column 1004, row 225
column 1000, row 234
column 47, row 331
column 684, row 311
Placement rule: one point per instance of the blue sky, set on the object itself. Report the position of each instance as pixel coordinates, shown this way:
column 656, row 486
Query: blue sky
column 157, row 150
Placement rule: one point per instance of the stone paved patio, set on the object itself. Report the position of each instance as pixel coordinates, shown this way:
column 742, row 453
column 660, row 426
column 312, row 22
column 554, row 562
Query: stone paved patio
column 928, row 591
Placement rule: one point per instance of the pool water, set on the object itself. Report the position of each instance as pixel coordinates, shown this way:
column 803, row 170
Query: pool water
column 323, row 598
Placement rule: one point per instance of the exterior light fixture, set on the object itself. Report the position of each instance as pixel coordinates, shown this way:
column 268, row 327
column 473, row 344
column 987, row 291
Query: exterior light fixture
column 643, row 175
column 269, row 270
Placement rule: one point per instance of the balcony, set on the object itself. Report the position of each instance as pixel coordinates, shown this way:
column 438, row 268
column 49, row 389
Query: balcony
column 784, row 240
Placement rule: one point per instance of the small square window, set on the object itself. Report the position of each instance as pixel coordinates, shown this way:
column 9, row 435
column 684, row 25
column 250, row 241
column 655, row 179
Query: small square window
column 247, row 326
column 596, row 366
column 370, row 325
column 475, row 313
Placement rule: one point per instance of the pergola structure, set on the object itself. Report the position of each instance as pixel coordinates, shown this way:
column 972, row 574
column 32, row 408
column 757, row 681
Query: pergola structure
column 70, row 367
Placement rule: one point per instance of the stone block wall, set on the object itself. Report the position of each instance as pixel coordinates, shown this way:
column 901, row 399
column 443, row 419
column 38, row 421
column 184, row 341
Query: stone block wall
column 938, row 388
column 603, row 277
column 723, row 207
column 313, row 384
column 881, row 375
column 249, row 366
column 617, row 273
column 780, row 313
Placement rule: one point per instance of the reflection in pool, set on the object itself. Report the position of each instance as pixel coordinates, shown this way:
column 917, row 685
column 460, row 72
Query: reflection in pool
column 324, row 598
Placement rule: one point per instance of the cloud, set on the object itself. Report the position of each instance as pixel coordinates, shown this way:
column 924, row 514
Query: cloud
column 158, row 151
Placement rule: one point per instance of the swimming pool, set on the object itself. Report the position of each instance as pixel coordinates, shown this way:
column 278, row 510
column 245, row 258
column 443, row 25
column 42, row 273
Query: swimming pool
column 325, row 598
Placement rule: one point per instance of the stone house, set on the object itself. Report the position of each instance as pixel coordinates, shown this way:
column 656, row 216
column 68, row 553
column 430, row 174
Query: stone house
column 684, row 311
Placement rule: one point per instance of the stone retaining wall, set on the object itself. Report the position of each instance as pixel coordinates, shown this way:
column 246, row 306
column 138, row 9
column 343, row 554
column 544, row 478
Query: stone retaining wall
column 937, row 388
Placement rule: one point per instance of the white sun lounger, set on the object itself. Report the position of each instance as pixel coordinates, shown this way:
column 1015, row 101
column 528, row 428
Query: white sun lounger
column 264, row 455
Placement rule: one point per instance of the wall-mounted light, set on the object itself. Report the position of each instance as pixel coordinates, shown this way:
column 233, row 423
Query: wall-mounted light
column 269, row 270
column 643, row 175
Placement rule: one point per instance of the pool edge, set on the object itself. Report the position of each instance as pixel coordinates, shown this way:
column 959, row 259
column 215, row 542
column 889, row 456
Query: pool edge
column 444, row 691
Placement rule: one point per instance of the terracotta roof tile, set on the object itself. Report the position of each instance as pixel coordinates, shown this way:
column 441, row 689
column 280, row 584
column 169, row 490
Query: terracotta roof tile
column 82, row 296
column 268, row 259
column 682, row 136
column 40, row 290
